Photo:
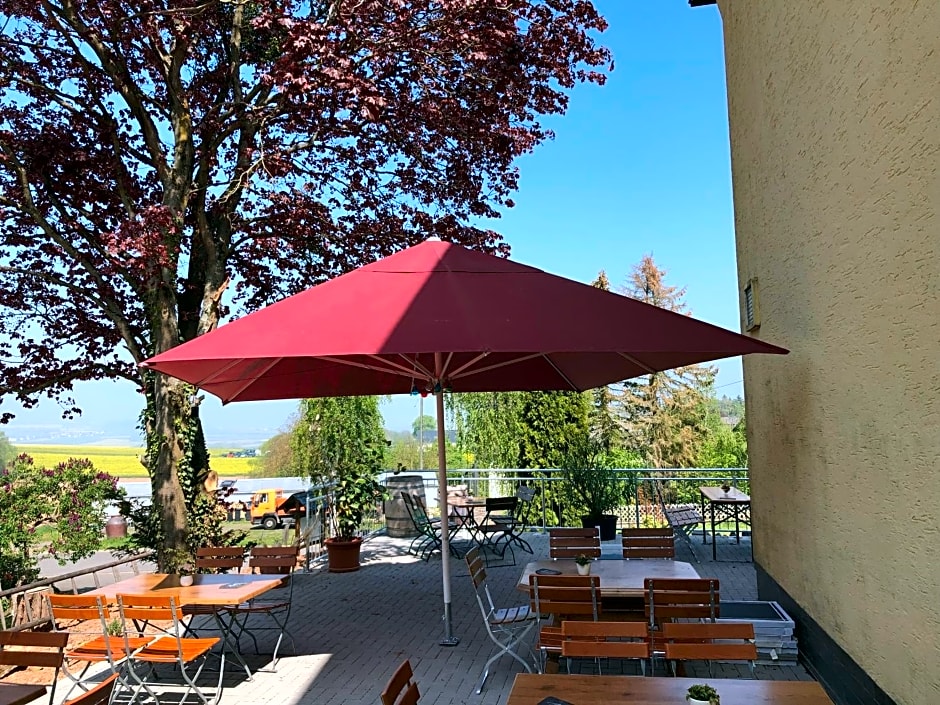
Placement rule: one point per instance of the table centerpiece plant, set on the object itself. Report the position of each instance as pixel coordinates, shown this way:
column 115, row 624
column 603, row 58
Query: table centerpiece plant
column 583, row 562
column 702, row 694
column 726, row 488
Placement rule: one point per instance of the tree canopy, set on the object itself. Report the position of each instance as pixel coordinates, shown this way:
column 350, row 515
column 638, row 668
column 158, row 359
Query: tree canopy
column 166, row 163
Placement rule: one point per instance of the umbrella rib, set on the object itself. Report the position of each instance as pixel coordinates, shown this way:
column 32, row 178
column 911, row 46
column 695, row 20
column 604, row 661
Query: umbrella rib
column 561, row 374
column 636, row 362
column 392, row 369
column 416, row 365
column 217, row 373
column 254, row 379
column 443, row 371
column 459, row 373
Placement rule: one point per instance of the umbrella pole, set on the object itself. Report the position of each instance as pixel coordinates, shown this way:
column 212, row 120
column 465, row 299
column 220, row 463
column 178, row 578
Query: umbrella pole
column 449, row 638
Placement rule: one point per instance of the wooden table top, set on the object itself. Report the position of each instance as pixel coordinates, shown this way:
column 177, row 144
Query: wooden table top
column 17, row 694
column 530, row 688
column 717, row 495
column 619, row 578
column 205, row 590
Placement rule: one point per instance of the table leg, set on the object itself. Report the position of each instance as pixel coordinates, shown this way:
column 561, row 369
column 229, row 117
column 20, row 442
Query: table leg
column 704, row 527
column 714, row 543
column 227, row 643
column 737, row 529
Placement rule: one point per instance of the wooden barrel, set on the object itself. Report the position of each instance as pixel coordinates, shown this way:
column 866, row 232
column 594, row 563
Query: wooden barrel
column 397, row 520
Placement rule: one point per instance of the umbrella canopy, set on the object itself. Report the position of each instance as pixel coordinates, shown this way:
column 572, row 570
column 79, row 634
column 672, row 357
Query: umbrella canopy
column 502, row 326
column 439, row 317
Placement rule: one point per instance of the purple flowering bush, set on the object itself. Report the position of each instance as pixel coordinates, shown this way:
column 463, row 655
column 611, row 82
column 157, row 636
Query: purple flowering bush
column 71, row 497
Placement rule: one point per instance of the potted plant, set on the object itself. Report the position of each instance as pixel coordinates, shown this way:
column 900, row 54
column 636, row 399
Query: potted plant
column 726, row 488
column 702, row 694
column 342, row 442
column 596, row 484
column 583, row 563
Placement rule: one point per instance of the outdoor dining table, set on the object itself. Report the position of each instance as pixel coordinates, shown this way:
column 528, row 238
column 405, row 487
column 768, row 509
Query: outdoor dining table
column 468, row 520
column 20, row 694
column 532, row 688
column 207, row 590
column 619, row 578
column 724, row 506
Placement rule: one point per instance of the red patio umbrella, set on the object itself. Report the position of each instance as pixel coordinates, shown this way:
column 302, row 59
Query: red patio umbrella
column 438, row 317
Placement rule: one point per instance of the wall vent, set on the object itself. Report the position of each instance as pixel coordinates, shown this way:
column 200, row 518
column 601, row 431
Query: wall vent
column 751, row 305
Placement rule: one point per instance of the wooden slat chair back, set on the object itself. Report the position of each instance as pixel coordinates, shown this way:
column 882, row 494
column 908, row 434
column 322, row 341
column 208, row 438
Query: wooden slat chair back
column 648, row 543
column 667, row 600
column 220, row 559
column 88, row 618
column 554, row 598
column 702, row 641
column 597, row 640
column 34, row 649
column 570, row 543
column 99, row 695
column 159, row 616
column 507, row 627
column 401, row 688
column 273, row 560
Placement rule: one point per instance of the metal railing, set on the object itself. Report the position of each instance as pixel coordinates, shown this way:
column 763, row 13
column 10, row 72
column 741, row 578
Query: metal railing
column 15, row 601
column 553, row 501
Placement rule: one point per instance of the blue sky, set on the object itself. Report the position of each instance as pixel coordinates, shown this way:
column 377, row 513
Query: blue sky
column 640, row 165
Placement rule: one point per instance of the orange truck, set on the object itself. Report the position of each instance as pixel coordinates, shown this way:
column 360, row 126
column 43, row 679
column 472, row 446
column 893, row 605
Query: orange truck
column 273, row 508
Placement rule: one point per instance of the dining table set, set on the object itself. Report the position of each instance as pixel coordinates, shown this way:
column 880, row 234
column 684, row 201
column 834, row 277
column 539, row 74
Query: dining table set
column 144, row 621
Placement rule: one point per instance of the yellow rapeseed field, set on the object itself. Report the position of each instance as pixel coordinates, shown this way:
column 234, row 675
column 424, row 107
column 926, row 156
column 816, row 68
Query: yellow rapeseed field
column 123, row 462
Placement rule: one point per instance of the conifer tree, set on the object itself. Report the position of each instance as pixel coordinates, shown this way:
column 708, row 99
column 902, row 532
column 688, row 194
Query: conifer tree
column 664, row 413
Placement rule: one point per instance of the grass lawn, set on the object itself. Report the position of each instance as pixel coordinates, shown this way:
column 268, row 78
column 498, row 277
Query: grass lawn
column 124, row 462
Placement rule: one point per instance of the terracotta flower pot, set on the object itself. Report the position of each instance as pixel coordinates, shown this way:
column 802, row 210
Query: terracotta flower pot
column 343, row 554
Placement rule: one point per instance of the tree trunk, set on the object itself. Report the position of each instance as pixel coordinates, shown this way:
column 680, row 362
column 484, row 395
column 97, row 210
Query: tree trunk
column 171, row 406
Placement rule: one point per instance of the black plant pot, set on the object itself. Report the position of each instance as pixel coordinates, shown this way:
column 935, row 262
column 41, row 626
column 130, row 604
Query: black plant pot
column 607, row 522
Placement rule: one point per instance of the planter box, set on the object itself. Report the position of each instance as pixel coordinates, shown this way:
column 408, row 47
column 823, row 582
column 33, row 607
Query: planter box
column 773, row 629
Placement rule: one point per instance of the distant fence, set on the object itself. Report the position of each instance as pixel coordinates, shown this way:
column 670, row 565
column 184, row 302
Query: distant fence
column 680, row 486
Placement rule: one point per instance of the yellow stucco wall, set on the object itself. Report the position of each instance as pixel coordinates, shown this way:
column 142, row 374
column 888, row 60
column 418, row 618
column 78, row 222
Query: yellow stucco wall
column 834, row 109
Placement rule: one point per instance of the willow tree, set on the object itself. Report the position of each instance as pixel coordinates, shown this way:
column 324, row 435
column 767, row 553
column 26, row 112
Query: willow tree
column 167, row 163
column 664, row 413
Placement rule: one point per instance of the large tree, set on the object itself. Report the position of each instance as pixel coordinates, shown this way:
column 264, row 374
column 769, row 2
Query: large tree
column 166, row 163
column 665, row 412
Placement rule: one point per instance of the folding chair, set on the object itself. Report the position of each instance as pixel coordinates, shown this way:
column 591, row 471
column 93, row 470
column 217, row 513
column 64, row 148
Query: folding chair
column 507, row 627
column 96, row 644
column 701, row 641
column 648, row 543
column 99, row 695
column 401, row 688
column 498, row 524
column 597, row 640
column 526, row 495
column 561, row 596
column 38, row 649
column 570, row 543
column 160, row 617
column 276, row 605
column 213, row 559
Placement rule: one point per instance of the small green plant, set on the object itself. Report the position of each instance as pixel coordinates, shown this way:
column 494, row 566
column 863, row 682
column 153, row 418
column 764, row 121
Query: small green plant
column 726, row 488
column 582, row 559
column 115, row 627
column 703, row 691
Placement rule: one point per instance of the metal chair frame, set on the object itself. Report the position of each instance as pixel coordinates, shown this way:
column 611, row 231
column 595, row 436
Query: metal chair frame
column 506, row 626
